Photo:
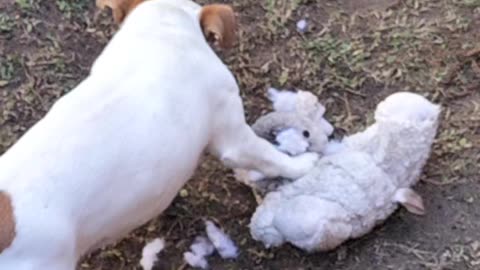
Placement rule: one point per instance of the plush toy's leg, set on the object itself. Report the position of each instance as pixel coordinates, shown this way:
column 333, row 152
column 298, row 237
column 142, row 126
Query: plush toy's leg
column 410, row 200
column 237, row 146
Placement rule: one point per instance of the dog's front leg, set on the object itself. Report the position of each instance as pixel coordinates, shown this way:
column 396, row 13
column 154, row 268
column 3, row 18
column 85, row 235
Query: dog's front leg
column 237, row 146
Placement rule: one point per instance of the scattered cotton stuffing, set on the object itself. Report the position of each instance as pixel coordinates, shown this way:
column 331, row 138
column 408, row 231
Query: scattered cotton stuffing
column 202, row 246
column 222, row 242
column 149, row 253
column 199, row 250
column 195, row 260
column 302, row 26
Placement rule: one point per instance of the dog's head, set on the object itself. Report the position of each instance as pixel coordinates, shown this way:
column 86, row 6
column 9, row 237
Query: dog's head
column 217, row 20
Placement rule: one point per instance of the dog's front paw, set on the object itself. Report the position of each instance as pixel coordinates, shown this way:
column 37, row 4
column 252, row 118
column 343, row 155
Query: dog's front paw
column 247, row 177
column 303, row 164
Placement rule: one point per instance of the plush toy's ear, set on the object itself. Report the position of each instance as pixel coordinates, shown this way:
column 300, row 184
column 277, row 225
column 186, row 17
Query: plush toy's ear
column 219, row 24
column 410, row 200
column 120, row 8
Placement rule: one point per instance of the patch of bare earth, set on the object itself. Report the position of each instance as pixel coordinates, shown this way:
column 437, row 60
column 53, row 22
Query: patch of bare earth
column 353, row 55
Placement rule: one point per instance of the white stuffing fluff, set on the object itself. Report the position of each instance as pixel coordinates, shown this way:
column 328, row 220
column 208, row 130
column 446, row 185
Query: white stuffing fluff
column 221, row 241
column 358, row 184
column 202, row 246
column 195, row 260
column 282, row 101
column 200, row 249
column 149, row 253
column 302, row 26
column 291, row 141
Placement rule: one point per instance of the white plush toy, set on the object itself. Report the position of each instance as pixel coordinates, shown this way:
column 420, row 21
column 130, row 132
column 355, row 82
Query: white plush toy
column 357, row 184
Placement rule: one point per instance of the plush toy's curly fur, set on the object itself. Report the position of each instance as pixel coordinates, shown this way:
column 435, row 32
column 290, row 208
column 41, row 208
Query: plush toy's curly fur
column 358, row 184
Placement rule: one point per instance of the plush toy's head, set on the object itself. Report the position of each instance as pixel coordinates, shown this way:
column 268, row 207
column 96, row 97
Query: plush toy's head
column 298, row 111
column 407, row 108
column 296, row 126
column 406, row 125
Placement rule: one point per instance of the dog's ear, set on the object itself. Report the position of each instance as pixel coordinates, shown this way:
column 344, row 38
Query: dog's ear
column 219, row 24
column 120, row 8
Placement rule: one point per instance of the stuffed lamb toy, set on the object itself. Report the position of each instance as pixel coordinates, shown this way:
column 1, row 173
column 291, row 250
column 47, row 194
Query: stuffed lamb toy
column 356, row 184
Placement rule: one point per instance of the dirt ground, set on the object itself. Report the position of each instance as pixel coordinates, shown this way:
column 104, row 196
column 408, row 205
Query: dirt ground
column 354, row 53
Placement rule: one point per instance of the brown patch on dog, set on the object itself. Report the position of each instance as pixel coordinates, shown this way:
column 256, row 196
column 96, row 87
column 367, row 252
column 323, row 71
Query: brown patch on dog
column 7, row 222
column 120, row 8
column 219, row 24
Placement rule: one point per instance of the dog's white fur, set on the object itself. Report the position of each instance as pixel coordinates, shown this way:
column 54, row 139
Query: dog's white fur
column 114, row 152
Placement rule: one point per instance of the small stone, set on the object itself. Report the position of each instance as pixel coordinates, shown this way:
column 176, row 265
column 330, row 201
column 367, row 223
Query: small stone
column 470, row 199
column 183, row 193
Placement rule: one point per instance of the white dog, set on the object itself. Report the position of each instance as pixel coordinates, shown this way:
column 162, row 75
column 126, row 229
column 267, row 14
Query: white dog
column 114, row 152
